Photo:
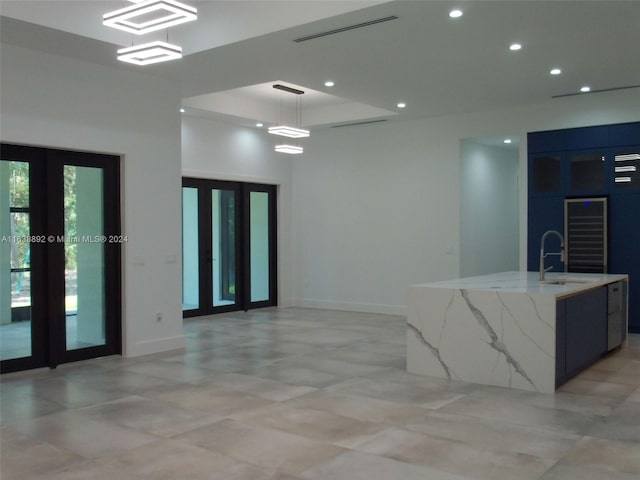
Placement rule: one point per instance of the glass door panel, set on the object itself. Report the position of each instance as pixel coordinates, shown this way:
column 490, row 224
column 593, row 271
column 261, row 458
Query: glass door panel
column 190, row 249
column 259, row 245
column 84, row 257
column 260, row 256
column 229, row 246
column 60, row 291
column 15, row 261
column 223, row 246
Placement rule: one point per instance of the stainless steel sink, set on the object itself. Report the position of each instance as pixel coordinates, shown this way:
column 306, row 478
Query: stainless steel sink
column 565, row 280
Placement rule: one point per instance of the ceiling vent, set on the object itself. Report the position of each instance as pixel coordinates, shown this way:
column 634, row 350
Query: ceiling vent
column 627, row 87
column 345, row 29
column 358, row 123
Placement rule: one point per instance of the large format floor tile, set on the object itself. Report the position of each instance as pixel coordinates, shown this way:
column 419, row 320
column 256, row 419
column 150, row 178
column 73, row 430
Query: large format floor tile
column 312, row 424
column 362, row 466
column 267, row 448
column 475, row 461
column 170, row 460
column 309, row 394
column 83, row 435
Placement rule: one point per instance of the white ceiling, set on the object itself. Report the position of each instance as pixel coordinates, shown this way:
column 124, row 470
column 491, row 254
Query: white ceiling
column 237, row 49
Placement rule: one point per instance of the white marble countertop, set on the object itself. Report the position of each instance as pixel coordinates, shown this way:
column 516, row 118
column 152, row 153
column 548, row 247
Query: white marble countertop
column 528, row 282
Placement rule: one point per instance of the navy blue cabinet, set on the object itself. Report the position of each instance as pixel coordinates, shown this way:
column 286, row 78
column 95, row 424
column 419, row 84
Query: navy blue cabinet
column 586, row 329
column 598, row 161
column 581, row 332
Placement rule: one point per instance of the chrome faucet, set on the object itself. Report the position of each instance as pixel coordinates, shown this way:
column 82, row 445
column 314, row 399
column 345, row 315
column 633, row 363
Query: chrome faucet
column 543, row 255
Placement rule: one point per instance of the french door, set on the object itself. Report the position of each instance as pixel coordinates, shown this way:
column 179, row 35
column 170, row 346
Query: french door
column 59, row 256
column 229, row 246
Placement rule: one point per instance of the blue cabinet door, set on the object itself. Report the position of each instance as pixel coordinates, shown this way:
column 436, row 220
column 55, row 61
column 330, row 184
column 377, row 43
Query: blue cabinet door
column 624, row 248
column 586, row 329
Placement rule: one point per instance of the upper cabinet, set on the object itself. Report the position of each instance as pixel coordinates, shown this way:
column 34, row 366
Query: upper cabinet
column 585, row 161
column 587, row 171
column 546, row 173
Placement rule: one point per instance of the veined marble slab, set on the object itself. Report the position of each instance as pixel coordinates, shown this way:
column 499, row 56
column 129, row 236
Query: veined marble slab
column 493, row 329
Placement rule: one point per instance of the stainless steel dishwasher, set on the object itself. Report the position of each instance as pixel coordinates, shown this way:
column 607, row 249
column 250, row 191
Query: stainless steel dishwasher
column 616, row 313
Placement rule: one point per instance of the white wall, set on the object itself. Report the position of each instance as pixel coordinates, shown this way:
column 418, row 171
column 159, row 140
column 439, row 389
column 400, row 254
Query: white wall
column 218, row 150
column 58, row 102
column 488, row 209
column 377, row 206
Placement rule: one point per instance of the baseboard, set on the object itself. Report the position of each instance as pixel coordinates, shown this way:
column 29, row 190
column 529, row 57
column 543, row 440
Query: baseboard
column 158, row 345
column 351, row 306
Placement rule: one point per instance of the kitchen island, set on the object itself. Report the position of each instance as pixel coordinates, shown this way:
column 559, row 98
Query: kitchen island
column 512, row 330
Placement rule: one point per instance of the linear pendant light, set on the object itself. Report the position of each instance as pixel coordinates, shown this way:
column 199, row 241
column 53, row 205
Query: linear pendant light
column 150, row 15
column 290, row 132
column 292, row 149
column 149, row 53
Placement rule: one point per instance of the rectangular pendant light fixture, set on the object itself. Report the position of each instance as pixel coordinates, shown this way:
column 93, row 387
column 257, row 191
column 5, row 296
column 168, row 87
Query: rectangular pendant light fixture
column 150, row 15
column 149, row 53
column 292, row 149
column 290, row 132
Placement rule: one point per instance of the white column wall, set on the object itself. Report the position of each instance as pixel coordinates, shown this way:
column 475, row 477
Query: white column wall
column 58, row 102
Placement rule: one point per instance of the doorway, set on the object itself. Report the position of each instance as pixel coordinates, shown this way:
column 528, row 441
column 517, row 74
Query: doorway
column 489, row 206
column 229, row 246
column 59, row 256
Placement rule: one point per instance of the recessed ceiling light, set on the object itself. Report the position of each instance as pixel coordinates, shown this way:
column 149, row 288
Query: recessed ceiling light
column 455, row 13
column 259, row 125
column 402, row 105
column 555, row 71
column 507, row 140
column 182, row 110
column 585, row 89
column 515, row 46
column 329, row 83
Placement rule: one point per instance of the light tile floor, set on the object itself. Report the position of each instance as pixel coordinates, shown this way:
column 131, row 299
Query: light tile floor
column 285, row 394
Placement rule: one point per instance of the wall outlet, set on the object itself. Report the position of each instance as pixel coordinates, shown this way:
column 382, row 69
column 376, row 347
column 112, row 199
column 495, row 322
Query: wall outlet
column 158, row 317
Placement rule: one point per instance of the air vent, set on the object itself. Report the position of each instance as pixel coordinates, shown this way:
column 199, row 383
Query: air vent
column 345, row 29
column 359, row 123
column 627, row 87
